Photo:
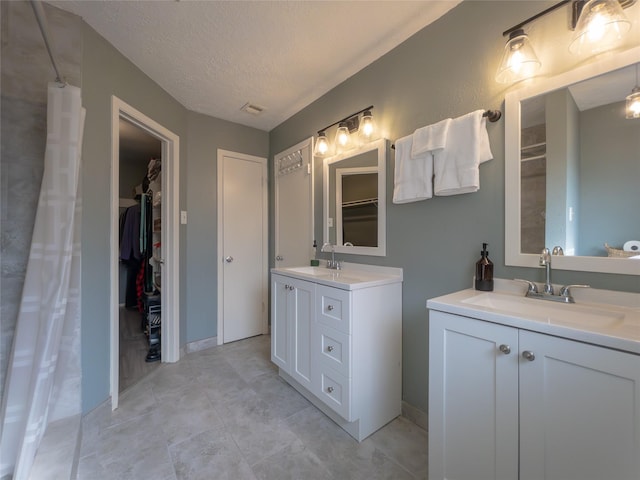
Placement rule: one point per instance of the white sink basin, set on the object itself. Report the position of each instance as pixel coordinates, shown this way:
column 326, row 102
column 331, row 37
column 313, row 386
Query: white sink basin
column 349, row 278
column 554, row 313
column 313, row 271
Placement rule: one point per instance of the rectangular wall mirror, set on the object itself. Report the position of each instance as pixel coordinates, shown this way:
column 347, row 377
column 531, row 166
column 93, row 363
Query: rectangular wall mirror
column 354, row 214
column 572, row 169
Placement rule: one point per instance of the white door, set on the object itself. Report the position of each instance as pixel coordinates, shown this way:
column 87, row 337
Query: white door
column 473, row 399
column 579, row 411
column 294, row 205
column 242, row 196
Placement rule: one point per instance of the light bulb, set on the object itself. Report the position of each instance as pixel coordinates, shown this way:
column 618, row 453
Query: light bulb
column 366, row 125
column 519, row 60
column 601, row 26
column 342, row 135
column 633, row 104
column 322, row 145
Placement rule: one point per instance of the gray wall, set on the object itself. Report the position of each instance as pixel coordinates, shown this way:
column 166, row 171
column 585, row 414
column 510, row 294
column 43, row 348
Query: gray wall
column 445, row 70
column 206, row 136
column 610, row 146
column 26, row 71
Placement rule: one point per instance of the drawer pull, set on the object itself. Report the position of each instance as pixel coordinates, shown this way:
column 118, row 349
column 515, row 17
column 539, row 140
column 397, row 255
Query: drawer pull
column 330, row 389
column 506, row 349
column 527, row 355
column 330, row 348
column 330, row 307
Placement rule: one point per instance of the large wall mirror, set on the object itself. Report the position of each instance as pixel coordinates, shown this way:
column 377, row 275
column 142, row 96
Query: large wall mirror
column 354, row 215
column 572, row 169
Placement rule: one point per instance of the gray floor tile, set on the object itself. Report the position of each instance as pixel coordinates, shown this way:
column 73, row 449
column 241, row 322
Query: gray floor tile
column 224, row 413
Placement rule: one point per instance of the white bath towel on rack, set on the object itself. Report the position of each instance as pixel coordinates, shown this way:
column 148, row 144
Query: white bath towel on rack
column 430, row 138
column 412, row 176
column 456, row 167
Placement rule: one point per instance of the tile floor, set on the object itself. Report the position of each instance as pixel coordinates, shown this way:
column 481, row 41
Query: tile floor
column 223, row 413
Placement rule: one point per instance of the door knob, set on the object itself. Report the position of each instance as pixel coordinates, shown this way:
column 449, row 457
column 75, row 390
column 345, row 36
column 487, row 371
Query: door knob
column 527, row 355
column 506, row 349
column 279, row 258
column 228, row 259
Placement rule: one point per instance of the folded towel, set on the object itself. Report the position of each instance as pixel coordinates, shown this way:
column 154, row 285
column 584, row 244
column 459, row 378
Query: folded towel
column 467, row 146
column 430, row 138
column 412, row 176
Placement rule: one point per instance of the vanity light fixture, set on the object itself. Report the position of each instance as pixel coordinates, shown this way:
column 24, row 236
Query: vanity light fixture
column 633, row 100
column 346, row 126
column 599, row 26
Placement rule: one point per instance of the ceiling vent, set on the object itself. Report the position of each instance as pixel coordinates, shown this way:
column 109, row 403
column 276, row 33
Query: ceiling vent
column 252, row 108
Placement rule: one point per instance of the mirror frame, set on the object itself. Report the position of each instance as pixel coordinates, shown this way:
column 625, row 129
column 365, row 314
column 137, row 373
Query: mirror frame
column 381, row 146
column 513, row 255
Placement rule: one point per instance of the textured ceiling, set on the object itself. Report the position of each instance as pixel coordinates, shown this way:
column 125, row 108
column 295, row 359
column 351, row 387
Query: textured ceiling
column 215, row 56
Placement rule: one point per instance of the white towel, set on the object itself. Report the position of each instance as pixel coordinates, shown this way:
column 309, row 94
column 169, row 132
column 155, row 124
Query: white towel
column 412, row 176
column 430, row 138
column 456, row 167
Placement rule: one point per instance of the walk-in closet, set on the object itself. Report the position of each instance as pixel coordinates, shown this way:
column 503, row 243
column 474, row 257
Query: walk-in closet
column 140, row 304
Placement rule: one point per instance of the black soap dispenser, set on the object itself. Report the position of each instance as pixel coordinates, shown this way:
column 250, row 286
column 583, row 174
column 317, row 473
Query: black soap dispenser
column 484, row 271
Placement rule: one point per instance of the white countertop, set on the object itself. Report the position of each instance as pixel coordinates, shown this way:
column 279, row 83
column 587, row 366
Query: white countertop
column 352, row 276
column 601, row 317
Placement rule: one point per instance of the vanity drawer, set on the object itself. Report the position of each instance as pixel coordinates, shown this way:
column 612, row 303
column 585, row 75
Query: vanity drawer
column 333, row 308
column 335, row 392
column 333, row 349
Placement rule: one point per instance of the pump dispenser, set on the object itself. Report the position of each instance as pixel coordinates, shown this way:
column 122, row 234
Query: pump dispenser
column 484, row 271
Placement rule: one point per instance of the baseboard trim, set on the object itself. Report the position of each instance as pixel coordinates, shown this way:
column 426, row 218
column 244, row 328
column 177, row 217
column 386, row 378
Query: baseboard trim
column 415, row 415
column 203, row 344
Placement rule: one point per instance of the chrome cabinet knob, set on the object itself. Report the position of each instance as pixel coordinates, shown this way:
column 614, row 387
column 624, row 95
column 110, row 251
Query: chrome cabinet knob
column 228, row 259
column 330, row 307
column 330, row 389
column 279, row 258
column 527, row 355
column 330, row 348
column 506, row 349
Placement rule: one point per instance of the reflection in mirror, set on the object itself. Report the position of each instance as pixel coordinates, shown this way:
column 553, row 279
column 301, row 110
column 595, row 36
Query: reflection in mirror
column 577, row 144
column 354, row 200
column 572, row 169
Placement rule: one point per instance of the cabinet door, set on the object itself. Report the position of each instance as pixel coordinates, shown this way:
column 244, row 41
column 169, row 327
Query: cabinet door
column 302, row 312
column 473, row 399
column 280, row 329
column 579, row 411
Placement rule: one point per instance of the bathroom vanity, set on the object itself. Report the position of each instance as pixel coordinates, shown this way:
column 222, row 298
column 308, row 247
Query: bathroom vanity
column 336, row 336
column 527, row 389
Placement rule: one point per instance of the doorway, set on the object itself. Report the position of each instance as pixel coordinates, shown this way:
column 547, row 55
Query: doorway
column 169, row 278
column 242, row 246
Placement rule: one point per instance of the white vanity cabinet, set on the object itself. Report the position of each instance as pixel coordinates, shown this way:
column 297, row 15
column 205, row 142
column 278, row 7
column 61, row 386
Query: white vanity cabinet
column 340, row 347
column 509, row 403
column 293, row 305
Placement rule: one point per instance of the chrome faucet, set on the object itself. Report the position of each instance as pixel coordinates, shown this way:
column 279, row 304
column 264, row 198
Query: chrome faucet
column 547, row 293
column 545, row 261
column 333, row 263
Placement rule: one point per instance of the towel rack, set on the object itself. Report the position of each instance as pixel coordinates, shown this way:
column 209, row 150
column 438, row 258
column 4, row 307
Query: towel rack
column 492, row 115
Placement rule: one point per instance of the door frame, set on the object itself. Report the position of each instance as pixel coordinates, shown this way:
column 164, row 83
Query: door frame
column 306, row 144
column 170, row 279
column 265, row 234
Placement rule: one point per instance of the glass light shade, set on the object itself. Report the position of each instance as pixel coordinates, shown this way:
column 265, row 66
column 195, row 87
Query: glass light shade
column 343, row 137
column 519, row 60
column 367, row 127
column 633, row 103
column 322, row 145
column 601, row 26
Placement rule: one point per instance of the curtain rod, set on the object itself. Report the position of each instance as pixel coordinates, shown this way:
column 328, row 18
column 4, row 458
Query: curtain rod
column 42, row 23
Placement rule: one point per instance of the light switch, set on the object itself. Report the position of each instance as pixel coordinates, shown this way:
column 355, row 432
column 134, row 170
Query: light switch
column 183, row 217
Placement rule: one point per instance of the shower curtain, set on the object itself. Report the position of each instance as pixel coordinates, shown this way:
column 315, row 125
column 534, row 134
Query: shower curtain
column 50, row 305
